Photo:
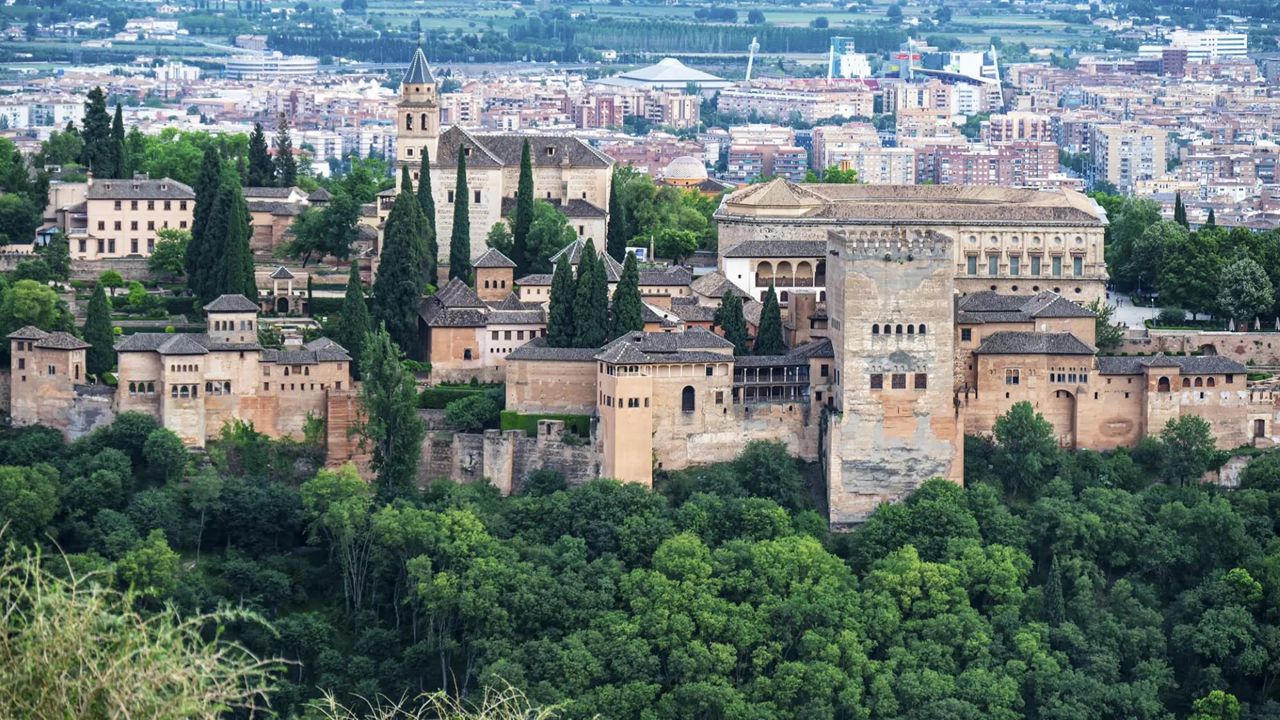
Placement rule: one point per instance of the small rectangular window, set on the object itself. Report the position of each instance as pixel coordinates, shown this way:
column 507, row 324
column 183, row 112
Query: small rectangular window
column 1057, row 265
column 921, row 381
column 1015, row 264
column 899, row 381
column 1077, row 266
column 475, row 196
column 1035, row 264
column 450, row 196
column 1012, row 376
column 877, row 381
column 971, row 266
column 710, row 370
column 966, row 334
column 993, row 264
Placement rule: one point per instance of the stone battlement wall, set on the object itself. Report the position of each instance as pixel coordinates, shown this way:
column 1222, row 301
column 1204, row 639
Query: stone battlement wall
column 506, row 458
column 1260, row 348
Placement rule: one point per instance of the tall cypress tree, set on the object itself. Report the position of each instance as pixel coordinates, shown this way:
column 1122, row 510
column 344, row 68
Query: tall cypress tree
column 424, row 237
column 406, row 181
column 1179, row 211
column 207, row 187
column 97, row 132
column 460, row 242
column 237, row 275
column 398, row 286
column 212, row 249
column 101, row 356
column 354, row 321
column 560, row 314
column 261, row 171
column 430, row 248
column 628, row 307
column 769, row 338
column 522, row 219
column 285, row 166
column 1210, row 221
column 1054, row 607
column 389, row 414
column 591, row 301
column 119, row 156
column 732, row 323
column 616, row 244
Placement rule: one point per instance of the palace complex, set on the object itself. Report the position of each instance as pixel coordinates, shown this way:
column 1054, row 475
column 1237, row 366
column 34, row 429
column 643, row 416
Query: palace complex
column 913, row 315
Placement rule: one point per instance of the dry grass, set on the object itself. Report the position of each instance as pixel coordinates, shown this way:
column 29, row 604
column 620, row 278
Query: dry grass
column 499, row 703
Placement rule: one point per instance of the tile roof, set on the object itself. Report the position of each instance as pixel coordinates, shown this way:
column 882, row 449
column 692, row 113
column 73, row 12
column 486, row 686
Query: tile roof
column 689, row 310
column 454, row 305
column 572, row 208
column 1033, row 343
column 419, row 72
column 457, row 293
column 535, row 280
column 800, row 355
column 493, row 258
column 232, row 303
column 180, row 344
column 121, row 189
column 693, row 345
column 304, row 357
column 281, row 273
column 538, row 349
column 1189, row 364
column 274, row 207
column 61, row 341
column 987, row 306
column 674, row 275
column 269, row 192
column 778, row 248
column 714, row 285
column 27, row 332
column 320, row 195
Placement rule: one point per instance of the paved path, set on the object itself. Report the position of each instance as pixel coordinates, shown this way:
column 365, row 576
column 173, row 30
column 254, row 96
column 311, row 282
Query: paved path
column 1127, row 314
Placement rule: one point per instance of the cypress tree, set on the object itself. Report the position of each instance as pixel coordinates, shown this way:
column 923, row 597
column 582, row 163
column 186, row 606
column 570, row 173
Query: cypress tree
column 261, row 171
column 1211, row 221
column 560, row 314
column 119, row 155
column 101, row 356
column 1055, row 610
column 389, row 414
column 227, row 241
column 617, row 233
column 628, row 308
column 397, row 289
column 354, row 321
column 590, row 301
column 1179, row 211
column 212, row 267
column 97, row 132
column 460, row 242
column 207, row 187
column 430, row 248
column 769, row 338
column 406, row 182
column 522, row 219
column 286, row 168
column 731, row 322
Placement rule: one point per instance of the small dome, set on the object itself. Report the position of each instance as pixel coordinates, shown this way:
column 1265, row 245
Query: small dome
column 687, row 168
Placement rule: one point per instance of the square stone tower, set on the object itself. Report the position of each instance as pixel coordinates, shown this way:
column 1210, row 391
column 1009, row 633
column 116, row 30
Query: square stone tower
column 896, row 422
column 418, row 116
column 233, row 319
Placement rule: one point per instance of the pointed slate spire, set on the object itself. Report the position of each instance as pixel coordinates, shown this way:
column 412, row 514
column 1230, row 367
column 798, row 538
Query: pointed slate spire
column 419, row 72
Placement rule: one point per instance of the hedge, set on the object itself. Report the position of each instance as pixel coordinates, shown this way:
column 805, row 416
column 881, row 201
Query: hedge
column 579, row 425
column 437, row 397
column 325, row 305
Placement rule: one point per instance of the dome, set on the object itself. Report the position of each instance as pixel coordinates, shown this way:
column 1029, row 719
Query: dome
column 687, row 168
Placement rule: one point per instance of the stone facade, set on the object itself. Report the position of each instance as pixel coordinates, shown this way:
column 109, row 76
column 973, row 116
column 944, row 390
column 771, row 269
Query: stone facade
column 120, row 218
column 506, row 459
column 47, row 385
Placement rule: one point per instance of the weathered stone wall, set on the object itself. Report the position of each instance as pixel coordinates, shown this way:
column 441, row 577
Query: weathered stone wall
column 552, row 386
column 91, row 408
column 506, row 458
column 1259, row 348
column 130, row 268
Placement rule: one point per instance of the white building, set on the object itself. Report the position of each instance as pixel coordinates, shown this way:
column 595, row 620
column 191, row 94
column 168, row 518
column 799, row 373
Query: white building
column 1210, row 45
column 275, row 65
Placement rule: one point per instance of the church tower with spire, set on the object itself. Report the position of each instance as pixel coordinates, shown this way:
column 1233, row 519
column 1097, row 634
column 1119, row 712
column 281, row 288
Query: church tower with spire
column 418, row 116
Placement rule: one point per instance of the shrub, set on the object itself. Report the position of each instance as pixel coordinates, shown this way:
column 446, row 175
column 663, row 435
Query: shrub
column 577, row 424
column 1171, row 316
column 473, row 413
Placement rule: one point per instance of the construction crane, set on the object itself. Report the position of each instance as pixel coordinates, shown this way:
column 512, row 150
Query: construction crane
column 751, row 56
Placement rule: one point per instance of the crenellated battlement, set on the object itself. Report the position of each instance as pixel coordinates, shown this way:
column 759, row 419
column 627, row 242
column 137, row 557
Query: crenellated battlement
column 892, row 244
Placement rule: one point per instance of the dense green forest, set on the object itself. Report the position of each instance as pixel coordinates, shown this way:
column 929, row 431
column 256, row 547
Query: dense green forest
column 1055, row 585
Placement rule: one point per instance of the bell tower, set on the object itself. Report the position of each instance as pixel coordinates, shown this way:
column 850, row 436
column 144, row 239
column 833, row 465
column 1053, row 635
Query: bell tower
column 417, row 117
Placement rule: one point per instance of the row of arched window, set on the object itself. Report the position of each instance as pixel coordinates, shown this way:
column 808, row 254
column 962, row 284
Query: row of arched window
column 230, row 325
column 1162, row 385
column 890, row 329
column 184, row 368
column 217, row 388
column 184, row 391
column 142, row 388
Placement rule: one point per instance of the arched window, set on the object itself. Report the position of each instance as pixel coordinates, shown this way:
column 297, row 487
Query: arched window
column 686, row 399
column 208, row 388
column 897, row 330
column 408, row 121
column 226, row 387
column 1162, row 385
column 173, row 391
column 1199, row 382
column 875, row 328
column 422, row 121
column 911, row 329
column 184, row 391
column 133, row 389
column 1186, row 382
column 1210, row 382
column 920, row 329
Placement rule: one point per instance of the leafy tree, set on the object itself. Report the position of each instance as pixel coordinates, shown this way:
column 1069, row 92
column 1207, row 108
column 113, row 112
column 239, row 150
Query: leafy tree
column 57, row 256
column 1146, row 256
column 471, row 413
column 522, row 218
column 549, row 233
column 1217, row 705
column 676, row 244
column 766, row 469
column 591, row 300
column 1190, row 272
column 165, row 455
column 628, row 306
column 499, row 237
column 63, row 148
column 151, row 568
column 339, row 510
column 19, row 218
column 460, row 241
column 755, row 17
column 560, row 314
column 1189, row 450
column 820, row 23
column 354, row 321
column 27, row 302
column 28, row 500
column 286, row 167
column 1107, row 334
column 389, row 414
column 769, row 334
column 170, row 255
column 101, row 356
column 328, row 232
column 1026, row 449
column 1054, row 606
column 111, row 279
column 732, row 323
column 397, row 287
column 617, row 231
column 261, row 169
column 1245, row 291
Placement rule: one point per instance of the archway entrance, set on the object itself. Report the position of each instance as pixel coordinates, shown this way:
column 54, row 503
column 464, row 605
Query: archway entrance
column 282, row 305
column 1208, row 349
